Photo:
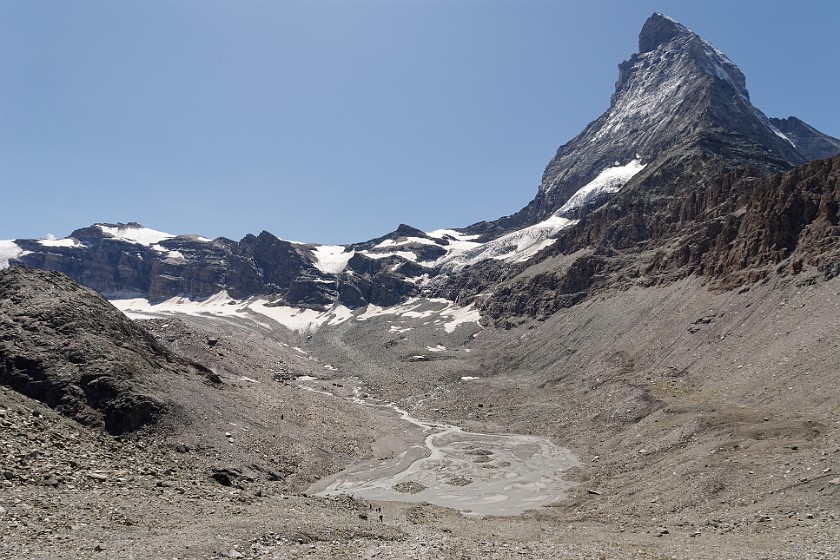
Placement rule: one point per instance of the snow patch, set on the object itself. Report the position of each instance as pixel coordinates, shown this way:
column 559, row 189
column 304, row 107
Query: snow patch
column 407, row 255
column 135, row 234
column 608, row 181
column 332, row 259
column 340, row 314
column 516, row 246
column 417, row 308
column 405, row 309
column 296, row 319
column 448, row 313
column 459, row 244
column 781, row 135
column 169, row 254
column 10, row 250
column 459, row 316
column 51, row 241
column 404, row 241
column 222, row 305
column 370, row 312
column 451, row 234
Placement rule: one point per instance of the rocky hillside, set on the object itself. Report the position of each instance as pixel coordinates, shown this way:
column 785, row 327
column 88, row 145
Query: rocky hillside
column 66, row 346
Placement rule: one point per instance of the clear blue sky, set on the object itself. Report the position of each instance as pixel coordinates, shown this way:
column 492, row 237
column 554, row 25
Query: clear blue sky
column 334, row 121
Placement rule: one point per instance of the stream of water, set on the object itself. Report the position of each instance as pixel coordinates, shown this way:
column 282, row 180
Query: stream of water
column 476, row 473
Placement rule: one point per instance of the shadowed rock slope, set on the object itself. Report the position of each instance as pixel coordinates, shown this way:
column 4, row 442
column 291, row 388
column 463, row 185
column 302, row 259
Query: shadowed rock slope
column 66, row 346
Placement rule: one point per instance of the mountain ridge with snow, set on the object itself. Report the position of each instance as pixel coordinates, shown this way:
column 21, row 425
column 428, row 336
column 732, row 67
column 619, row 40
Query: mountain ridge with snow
column 677, row 93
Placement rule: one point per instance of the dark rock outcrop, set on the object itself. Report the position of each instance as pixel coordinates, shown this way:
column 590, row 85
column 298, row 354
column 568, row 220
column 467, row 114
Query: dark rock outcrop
column 378, row 281
column 258, row 265
column 65, row 345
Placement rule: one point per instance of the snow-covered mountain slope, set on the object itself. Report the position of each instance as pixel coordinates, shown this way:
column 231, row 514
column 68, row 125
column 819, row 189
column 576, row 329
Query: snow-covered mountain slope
column 517, row 246
column 332, row 259
column 459, row 249
column 609, row 181
column 440, row 313
column 134, row 233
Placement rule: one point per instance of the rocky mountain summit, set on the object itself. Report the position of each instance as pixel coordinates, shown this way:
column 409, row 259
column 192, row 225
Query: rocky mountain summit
column 677, row 85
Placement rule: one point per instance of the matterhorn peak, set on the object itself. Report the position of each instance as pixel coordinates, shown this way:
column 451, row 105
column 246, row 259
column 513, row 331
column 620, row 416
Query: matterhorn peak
column 677, row 87
column 666, row 38
column 659, row 29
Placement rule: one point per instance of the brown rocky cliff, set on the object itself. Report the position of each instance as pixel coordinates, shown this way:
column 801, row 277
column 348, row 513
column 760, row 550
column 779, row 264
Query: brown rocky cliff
column 735, row 229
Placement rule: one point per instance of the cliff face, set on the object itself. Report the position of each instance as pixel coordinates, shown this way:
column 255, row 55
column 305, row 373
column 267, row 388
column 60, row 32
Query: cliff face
column 196, row 267
column 174, row 266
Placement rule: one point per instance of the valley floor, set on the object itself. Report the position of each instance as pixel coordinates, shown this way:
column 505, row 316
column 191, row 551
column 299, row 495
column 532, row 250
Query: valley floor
column 706, row 426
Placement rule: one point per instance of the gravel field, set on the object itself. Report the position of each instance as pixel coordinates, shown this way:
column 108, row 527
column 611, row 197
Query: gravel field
column 704, row 425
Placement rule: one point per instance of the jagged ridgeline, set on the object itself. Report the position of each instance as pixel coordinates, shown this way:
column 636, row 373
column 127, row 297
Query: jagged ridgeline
column 680, row 120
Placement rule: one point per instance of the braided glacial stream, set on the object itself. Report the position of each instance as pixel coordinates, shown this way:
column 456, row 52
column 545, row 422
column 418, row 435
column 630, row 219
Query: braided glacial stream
column 476, row 473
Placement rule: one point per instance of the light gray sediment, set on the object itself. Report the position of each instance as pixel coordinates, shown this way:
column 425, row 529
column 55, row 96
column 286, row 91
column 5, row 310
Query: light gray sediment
column 475, row 473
